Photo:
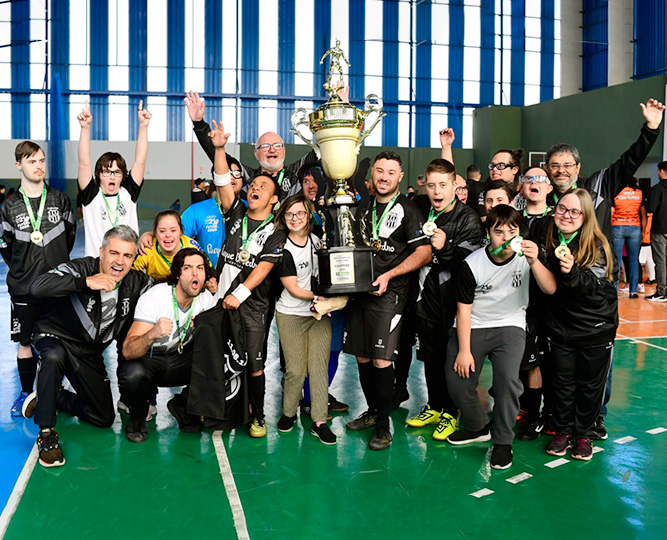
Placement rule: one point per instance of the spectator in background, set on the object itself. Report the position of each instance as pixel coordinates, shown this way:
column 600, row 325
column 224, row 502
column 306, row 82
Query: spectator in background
column 421, row 185
column 657, row 205
column 10, row 193
column 628, row 221
column 645, row 255
column 461, row 189
column 200, row 192
column 2, row 194
column 176, row 205
column 473, row 173
column 411, row 192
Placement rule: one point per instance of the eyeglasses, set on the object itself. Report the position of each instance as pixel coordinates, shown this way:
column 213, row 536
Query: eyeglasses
column 298, row 214
column 562, row 210
column 275, row 146
column 500, row 166
column 235, row 174
column 539, row 179
column 461, row 189
column 108, row 173
column 555, row 166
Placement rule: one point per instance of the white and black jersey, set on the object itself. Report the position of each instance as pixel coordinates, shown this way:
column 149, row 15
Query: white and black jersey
column 96, row 216
column 498, row 292
column 25, row 259
column 266, row 245
column 299, row 261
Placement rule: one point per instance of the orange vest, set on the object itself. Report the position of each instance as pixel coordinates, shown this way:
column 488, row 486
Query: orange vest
column 626, row 207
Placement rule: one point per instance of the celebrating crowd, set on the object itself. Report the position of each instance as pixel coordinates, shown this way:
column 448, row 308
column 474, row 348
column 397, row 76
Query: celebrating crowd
column 521, row 269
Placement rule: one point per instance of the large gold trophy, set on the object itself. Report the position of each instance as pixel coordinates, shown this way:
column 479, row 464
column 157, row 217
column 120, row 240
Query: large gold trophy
column 345, row 264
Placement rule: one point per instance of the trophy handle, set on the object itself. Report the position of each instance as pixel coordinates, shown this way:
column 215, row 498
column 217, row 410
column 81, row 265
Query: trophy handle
column 373, row 104
column 300, row 118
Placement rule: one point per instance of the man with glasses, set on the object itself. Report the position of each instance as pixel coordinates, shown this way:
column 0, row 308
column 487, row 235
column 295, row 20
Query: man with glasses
column 269, row 152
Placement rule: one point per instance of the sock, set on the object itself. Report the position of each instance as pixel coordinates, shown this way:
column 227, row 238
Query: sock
column 366, row 380
column 533, row 401
column 436, row 384
column 523, row 398
column 306, row 390
column 402, row 366
column 384, row 389
column 257, row 387
column 27, row 373
column 318, row 424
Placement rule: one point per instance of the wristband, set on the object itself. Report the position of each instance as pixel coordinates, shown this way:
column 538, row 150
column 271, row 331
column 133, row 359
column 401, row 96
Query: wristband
column 241, row 293
column 221, row 180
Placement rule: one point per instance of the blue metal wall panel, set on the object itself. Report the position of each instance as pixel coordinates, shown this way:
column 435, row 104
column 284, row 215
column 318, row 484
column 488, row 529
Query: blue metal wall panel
column 59, row 43
column 650, row 45
column 213, row 58
column 20, row 48
column 547, row 51
column 323, row 41
column 518, row 55
column 487, row 57
column 357, row 30
column 99, row 69
column 250, row 70
column 138, row 37
column 595, row 48
column 175, row 68
column 286, row 22
column 423, row 75
column 456, row 34
column 390, row 72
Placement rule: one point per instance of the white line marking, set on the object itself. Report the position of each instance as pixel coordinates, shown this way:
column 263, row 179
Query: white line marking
column 624, row 440
column 624, row 321
column 519, row 478
column 17, row 492
column 597, row 449
column 656, row 431
column 556, row 463
column 230, row 487
column 482, row 493
column 639, row 340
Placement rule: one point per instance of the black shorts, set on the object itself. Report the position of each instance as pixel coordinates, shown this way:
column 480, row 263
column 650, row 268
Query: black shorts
column 24, row 317
column 370, row 332
column 431, row 341
column 256, row 346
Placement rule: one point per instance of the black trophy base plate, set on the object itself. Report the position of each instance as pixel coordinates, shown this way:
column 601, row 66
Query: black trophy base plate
column 345, row 270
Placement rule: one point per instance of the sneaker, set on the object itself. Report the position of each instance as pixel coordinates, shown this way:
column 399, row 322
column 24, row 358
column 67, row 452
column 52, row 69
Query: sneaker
column 624, row 289
column 549, row 428
column 464, row 436
column 656, row 298
column 651, row 281
column 286, row 423
column 446, row 426
column 337, row 406
column 560, row 445
column 522, row 416
column 599, row 430
column 633, row 296
column 136, row 430
column 381, row 439
column 187, row 422
column 123, row 407
column 366, row 420
column 17, row 406
column 50, row 453
column 29, row 405
column 501, row 456
column 531, row 430
column 323, row 433
column 583, row 450
column 399, row 396
column 640, row 288
column 426, row 416
column 257, row 428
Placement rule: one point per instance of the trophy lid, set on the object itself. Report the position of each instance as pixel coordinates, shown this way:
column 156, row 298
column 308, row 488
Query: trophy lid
column 336, row 113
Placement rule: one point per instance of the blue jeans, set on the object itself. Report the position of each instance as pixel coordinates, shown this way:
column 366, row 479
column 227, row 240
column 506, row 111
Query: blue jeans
column 631, row 236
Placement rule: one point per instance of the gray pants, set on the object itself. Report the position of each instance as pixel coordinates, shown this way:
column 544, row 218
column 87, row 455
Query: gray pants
column 504, row 346
column 659, row 251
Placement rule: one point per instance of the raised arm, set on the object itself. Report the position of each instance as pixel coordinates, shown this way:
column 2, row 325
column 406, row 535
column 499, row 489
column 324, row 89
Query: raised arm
column 141, row 149
column 447, row 138
column 196, row 107
column 85, row 174
column 222, row 180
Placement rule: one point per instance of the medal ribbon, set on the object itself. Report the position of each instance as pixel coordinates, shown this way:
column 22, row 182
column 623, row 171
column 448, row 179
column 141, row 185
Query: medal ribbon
column 245, row 239
column 36, row 223
column 374, row 223
column 181, row 333
column 556, row 196
column 432, row 216
column 114, row 222
column 159, row 252
column 564, row 242
column 500, row 249
column 280, row 178
column 546, row 210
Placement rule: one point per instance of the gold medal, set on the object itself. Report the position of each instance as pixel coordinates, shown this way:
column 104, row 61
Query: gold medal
column 376, row 245
column 515, row 244
column 180, row 347
column 429, row 228
column 244, row 255
column 36, row 237
column 562, row 250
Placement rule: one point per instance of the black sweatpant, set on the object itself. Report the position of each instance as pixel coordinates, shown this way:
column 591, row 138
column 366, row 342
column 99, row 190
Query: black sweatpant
column 433, row 352
column 86, row 372
column 579, row 377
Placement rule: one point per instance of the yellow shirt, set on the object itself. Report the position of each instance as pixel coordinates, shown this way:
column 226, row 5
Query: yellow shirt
column 158, row 266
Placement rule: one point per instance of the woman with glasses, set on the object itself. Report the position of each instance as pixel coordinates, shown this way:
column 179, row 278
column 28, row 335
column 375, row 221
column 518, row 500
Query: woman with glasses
column 304, row 339
column 581, row 321
column 506, row 165
column 109, row 194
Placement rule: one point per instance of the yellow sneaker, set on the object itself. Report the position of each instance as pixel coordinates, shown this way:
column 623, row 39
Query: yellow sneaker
column 425, row 417
column 447, row 425
column 257, row 428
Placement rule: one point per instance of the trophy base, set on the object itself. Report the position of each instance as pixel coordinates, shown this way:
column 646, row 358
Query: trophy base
column 345, row 270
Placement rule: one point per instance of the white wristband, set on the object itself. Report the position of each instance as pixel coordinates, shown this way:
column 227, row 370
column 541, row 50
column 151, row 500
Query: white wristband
column 221, row 180
column 241, row 293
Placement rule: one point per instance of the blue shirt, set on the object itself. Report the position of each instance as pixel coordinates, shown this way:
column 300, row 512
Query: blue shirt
column 203, row 222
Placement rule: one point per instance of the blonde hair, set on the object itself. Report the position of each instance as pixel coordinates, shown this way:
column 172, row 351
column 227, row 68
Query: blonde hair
column 590, row 237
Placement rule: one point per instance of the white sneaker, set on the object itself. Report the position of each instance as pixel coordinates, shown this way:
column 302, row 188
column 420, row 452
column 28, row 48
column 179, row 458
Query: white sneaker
column 640, row 288
column 152, row 411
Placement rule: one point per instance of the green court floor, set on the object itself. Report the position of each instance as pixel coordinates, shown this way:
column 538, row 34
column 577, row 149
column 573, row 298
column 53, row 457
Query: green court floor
column 293, row 487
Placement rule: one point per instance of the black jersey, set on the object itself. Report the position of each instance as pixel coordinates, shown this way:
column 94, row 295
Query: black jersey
column 27, row 260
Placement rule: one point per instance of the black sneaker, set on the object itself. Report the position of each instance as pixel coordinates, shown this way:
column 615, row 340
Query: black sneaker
column 323, row 433
column 286, row 423
column 464, row 436
column 656, row 298
column 187, row 423
column 599, row 431
column 337, row 406
column 530, row 431
column 136, row 430
column 50, row 453
column 400, row 395
column 381, row 439
column 365, row 421
column 583, row 450
column 560, row 444
column 501, row 456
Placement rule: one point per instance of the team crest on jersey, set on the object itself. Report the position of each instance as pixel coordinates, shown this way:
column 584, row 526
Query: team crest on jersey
column 91, row 303
column 125, row 307
column 392, row 221
column 53, row 214
column 261, row 237
column 517, row 279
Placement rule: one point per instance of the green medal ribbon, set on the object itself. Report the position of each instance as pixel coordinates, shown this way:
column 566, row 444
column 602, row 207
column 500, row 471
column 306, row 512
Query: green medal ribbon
column 500, row 249
column 245, row 239
column 159, row 252
column 546, row 210
column 114, row 222
column 376, row 225
column 280, row 178
column 562, row 240
column 35, row 222
column 556, row 196
column 181, row 332
column 432, row 216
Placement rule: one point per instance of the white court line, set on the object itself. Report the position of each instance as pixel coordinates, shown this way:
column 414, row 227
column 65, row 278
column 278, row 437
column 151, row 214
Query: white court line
column 597, row 449
column 556, row 463
column 625, row 321
column 17, row 492
column 656, row 431
column 519, row 478
column 482, row 493
column 624, row 440
column 638, row 340
column 230, row 487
